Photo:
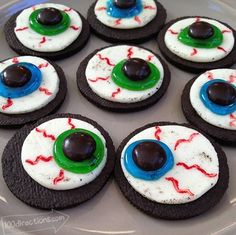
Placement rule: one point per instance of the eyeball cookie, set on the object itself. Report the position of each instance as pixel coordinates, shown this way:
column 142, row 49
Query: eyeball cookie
column 171, row 171
column 59, row 162
column 30, row 88
column 132, row 21
column 197, row 44
column 123, row 78
column 209, row 102
column 47, row 30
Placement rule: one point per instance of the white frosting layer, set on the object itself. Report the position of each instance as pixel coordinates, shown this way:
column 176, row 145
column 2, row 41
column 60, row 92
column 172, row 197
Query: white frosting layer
column 201, row 54
column 199, row 151
column 147, row 15
column 44, row 172
column 99, row 68
column 35, row 41
column 222, row 121
column 36, row 99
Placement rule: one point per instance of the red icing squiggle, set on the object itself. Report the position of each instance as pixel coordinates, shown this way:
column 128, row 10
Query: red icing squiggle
column 74, row 27
column 221, row 49
column 226, row 31
column 130, row 52
column 106, row 60
column 99, row 79
column 195, row 51
column 45, row 91
column 137, row 19
column 232, row 78
column 175, row 183
column 8, row 104
column 43, row 40
column 113, row 95
column 157, row 133
column 118, row 22
column 181, row 141
column 21, row 29
column 15, row 60
column 173, row 32
column 59, row 178
column 38, row 159
column 101, row 9
column 43, row 65
column 45, row 135
column 71, row 124
column 197, row 167
column 149, row 8
column 233, row 122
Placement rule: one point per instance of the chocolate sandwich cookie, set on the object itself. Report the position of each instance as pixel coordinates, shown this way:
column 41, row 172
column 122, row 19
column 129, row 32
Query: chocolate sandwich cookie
column 171, row 171
column 61, row 161
column 30, row 88
column 123, row 78
column 132, row 21
column 209, row 102
column 47, row 30
column 197, row 44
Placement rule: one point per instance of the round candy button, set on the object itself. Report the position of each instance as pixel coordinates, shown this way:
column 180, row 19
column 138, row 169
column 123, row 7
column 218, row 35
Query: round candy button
column 201, row 30
column 124, row 4
column 49, row 16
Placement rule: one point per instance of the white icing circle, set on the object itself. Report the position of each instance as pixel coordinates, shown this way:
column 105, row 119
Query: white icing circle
column 44, row 172
column 35, row 41
column 222, row 121
column 199, row 151
column 148, row 13
column 37, row 99
column 201, row 54
column 98, row 68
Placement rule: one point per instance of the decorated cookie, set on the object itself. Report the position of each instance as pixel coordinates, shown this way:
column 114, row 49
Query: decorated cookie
column 30, row 88
column 209, row 102
column 132, row 21
column 64, row 159
column 47, row 30
column 123, row 78
column 171, row 171
column 197, row 44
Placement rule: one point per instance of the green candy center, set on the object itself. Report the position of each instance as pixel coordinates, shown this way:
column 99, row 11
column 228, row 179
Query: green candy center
column 120, row 79
column 214, row 41
column 52, row 29
column 85, row 166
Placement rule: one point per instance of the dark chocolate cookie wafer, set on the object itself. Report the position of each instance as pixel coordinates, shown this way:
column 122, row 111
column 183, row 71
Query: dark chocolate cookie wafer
column 38, row 43
column 40, row 95
column 49, row 185
column 135, row 29
column 197, row 44
column 106, row 78
column 171, row 171
column 208, row 113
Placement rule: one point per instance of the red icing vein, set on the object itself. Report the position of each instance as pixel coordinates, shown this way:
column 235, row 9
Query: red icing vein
column 173, row 32
column 69, row 9
column 232, row 78
column 101, row 9
column 137, row 19
column 150, row 57
column 8, row 104
column 175, row 183
column 43, row 40
column 39, row 158
column 43, row 65
column 106, row 60
column 59, row 178
column 233, row 122
column 15, row 60
column 74, row 27
column 21, row 29
column 149, row 7
column 113, row 95
column 45, row 91
column 194, row 52
column 181, row 141
column 222, row 49
column 99, row 79
column 210, row 75
column 118, row 22
column 130, row 52
column 45, row 135
column 70, row 123
column 197, row 167
column 157, row 133
column 226, row 31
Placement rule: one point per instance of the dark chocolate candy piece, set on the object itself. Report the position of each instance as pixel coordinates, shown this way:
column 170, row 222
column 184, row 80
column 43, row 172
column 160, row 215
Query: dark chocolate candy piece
column 79, row 146
column 222, row 93
column 124, row 4
column 201, row 30
column 149, row 156
column 16, row 75
column 49, row 16
column 136, row 69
